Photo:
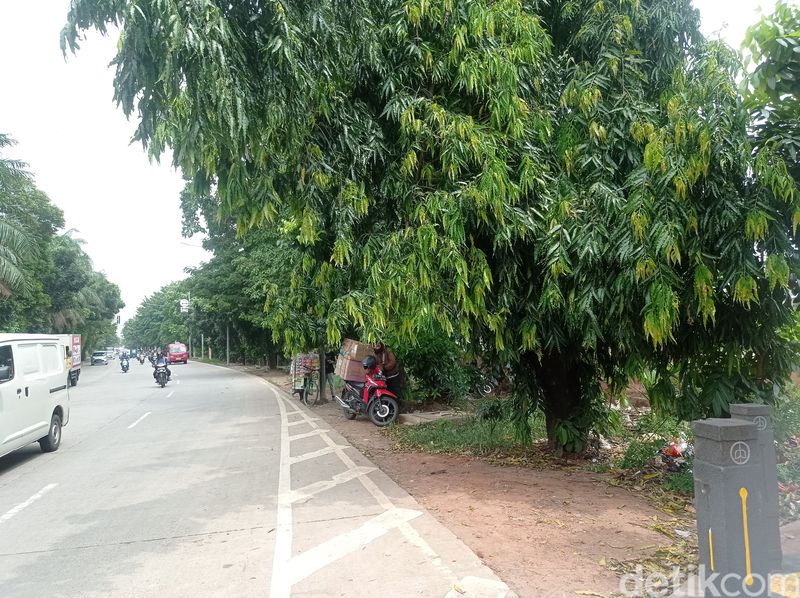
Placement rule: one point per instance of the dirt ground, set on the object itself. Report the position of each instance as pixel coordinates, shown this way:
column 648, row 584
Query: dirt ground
column 548, row 533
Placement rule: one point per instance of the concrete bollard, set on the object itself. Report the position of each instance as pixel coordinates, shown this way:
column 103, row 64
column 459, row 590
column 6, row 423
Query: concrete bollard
column 729, row 499
column 761, row 416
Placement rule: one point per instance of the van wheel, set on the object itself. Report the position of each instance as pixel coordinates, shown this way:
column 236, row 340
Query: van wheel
column 51, row 442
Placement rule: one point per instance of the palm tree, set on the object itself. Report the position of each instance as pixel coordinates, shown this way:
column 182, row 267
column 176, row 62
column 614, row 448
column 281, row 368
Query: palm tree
column 10, row 170
column 15, row 242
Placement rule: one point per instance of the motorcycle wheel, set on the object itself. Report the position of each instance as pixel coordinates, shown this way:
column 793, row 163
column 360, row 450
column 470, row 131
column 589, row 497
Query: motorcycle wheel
column 348, row 414
column 382, row 411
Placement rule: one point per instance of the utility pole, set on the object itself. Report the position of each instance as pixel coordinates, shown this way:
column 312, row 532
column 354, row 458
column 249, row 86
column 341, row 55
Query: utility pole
column 190, row 325
column 202, row 345
column 227, row 344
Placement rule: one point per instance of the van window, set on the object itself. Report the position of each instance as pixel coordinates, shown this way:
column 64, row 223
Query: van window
column 52, row 362
column 28, row 358
column 6, row 361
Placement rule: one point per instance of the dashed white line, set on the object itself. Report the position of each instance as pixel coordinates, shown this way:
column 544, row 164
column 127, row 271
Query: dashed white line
column 172, row 392
column 177, row 381
column 140, row 419
column 9, row 514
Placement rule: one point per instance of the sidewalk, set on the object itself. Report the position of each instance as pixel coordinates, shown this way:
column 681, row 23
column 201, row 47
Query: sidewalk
column 346, row 529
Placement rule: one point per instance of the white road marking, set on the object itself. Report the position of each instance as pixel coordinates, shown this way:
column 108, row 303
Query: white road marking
column 9, row 514
column 317, row 432
column 301, row 421
column 285, row 569
column 340, row 478
column 280, row 584
column 140, row 419
column 411, row 534
column 172, row 392
column 321, row 452
column 177, row 381
column 312, row 560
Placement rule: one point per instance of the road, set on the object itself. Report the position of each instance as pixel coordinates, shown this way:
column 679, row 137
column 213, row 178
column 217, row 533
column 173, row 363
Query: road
column 217, row 485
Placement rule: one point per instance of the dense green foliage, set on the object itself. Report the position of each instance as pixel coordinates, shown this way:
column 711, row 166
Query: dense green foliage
column 568, row 187
column 47, row 281
column 772, row 89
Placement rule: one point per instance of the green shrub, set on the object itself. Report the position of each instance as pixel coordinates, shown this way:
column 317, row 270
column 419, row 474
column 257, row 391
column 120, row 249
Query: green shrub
column 639, row 453
column 681, row 482
column 787, row 414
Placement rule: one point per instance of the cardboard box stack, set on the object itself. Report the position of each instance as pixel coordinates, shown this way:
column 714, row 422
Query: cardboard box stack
column 348, row 363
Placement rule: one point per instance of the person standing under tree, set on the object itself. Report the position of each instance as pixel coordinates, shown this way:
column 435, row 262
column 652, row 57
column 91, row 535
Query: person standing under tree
column 387, row 360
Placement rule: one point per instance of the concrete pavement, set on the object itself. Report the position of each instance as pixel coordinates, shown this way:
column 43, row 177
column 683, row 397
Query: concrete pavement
column 217, row 485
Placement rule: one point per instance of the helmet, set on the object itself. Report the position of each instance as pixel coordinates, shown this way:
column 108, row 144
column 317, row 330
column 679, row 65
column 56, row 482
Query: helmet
column 369, row 362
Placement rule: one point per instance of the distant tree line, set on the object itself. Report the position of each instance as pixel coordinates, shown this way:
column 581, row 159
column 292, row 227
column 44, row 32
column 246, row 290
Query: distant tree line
column 47, row 281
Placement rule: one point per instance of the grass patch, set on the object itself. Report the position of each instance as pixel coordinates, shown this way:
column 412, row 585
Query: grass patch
column 681, row 482
column 471, row 435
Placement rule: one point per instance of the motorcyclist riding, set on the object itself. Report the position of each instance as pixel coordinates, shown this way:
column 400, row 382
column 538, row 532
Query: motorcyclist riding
column 161, row 360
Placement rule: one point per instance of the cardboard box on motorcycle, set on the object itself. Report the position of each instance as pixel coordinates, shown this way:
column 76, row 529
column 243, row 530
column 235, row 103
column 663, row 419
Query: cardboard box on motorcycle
column 348, row 362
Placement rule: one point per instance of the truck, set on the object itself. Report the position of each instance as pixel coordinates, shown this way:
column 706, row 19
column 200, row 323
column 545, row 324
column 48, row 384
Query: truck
column 72, row 357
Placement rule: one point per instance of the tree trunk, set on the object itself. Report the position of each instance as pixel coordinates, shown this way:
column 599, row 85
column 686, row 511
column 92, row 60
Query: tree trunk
column 560, row 383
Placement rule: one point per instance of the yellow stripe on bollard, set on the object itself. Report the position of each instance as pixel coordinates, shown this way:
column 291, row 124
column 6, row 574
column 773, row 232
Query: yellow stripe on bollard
column 711, row 549
column 749, row 579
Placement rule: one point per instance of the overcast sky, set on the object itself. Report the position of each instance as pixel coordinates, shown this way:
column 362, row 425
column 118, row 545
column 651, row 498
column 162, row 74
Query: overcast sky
column 76, row 143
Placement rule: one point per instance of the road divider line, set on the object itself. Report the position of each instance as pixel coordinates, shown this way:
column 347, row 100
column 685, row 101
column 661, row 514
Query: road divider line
column 9, row 514
column 177, row 381
column 140, row 419
column 172, row 392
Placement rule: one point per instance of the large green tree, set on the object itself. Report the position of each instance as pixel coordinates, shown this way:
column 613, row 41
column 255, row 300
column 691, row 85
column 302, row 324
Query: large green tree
column 567, row 185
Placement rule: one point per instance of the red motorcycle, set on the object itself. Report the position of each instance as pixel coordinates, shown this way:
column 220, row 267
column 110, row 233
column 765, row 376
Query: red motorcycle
column 371, row 397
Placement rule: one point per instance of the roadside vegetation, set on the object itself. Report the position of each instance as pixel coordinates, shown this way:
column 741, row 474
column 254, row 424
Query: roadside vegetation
column 47, row 281
column 575, row 194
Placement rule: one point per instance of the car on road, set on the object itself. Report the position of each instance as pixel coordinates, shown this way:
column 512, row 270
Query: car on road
column 99, row 357
column 177, row 353
column 34, row 403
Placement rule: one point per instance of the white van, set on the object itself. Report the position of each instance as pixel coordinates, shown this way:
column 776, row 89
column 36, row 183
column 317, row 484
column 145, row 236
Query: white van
column 34, row 402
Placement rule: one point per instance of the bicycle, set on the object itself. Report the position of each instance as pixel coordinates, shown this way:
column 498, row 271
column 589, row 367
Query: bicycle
column 309, row 394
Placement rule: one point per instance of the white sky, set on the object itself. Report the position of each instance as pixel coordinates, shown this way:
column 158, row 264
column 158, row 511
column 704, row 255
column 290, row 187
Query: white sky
column 75, row 141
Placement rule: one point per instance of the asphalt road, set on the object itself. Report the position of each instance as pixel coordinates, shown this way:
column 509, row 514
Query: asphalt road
column 217, row 485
